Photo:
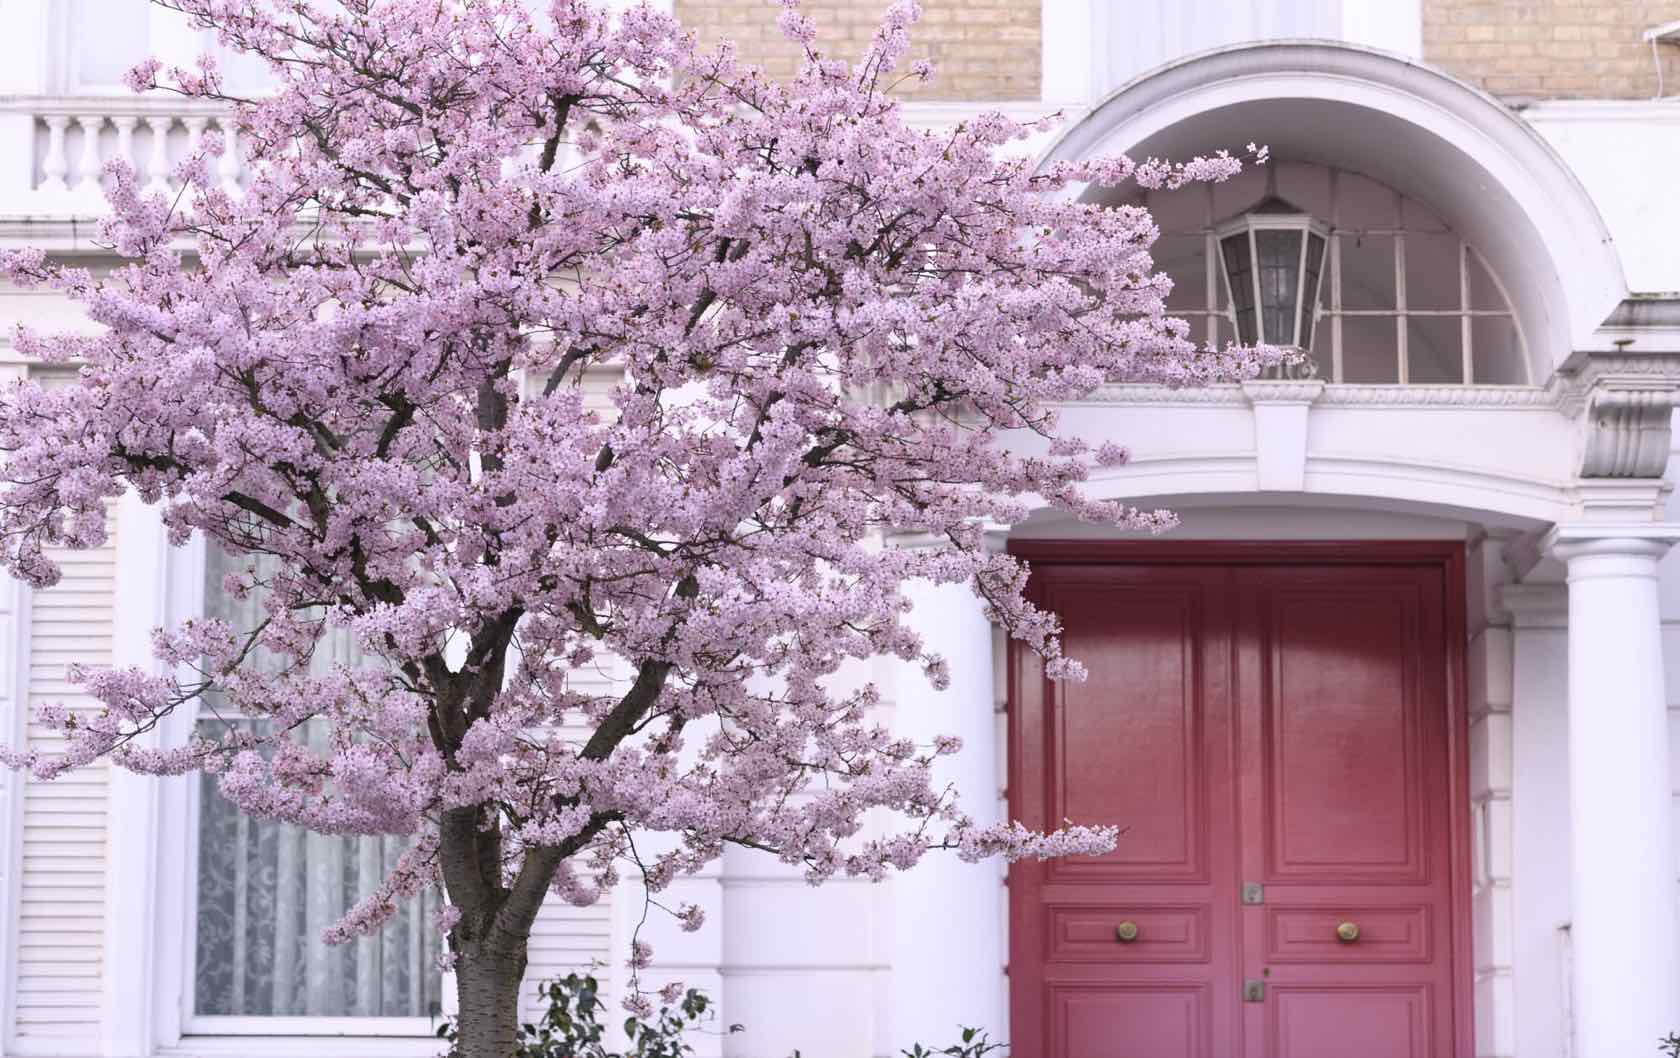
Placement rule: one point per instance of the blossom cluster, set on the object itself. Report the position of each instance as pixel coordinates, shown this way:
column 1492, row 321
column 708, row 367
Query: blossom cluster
column 369, row 371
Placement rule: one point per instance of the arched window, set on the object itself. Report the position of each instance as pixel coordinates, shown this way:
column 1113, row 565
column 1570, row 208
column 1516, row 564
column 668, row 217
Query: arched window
column 1403, row 298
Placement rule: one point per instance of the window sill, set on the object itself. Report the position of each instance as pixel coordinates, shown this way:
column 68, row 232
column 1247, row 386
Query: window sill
column 300, row 1045
column 294, row 1037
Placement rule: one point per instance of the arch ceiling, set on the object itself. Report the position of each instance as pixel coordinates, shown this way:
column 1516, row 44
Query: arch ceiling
column 1427, row 135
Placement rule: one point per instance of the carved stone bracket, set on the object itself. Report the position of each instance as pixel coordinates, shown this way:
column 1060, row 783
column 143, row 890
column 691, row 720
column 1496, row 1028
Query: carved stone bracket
column 1624, row 404
column 1627, row 433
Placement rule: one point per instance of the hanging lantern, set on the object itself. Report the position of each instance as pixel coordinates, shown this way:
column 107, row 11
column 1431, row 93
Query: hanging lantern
column 1273, row 258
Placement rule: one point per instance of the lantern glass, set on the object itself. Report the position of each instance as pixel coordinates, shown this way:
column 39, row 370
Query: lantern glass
column 1279, row 251
column 1273, row 259
column 1239, row 281
column 1314, row 269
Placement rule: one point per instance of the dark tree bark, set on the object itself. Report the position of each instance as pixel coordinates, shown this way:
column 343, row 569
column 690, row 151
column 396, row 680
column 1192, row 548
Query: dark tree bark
column 487, row 983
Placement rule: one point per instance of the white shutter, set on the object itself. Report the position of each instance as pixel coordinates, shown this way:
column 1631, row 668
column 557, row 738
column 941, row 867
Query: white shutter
column 61, row 913
column 566, row 938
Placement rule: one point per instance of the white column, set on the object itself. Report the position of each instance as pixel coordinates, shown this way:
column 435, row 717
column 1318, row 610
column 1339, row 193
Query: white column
column 142, row 599
column 1626, row 991
column 947, row 944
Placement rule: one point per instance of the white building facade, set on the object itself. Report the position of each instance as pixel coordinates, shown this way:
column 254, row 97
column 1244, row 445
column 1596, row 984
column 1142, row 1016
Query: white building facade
column 1388, row 720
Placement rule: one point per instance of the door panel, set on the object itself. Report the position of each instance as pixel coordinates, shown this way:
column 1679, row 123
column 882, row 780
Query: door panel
column 1386, row 934
column 1342, row 695
column 1129, row 740
column 1127, row 1021
column 1330, row 1021
column 1142, row 744
column 1089, row 933
column 1342, row 730
column 1285, row 725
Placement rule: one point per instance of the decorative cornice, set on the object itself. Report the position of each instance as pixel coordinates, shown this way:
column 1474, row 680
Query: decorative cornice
column 1647, row 312
column 1143, row 393
column 117, row 104
column 1282, row 391
column 1323, row 393
column 1440, row 396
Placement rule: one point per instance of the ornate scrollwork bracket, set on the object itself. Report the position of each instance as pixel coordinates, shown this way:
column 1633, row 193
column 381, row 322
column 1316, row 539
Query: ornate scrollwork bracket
column 1625, row 405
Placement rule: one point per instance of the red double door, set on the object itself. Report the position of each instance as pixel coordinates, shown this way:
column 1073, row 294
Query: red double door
column 1276, row 742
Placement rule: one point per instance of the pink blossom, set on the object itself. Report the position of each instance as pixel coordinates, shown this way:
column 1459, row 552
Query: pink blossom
column 817, row 326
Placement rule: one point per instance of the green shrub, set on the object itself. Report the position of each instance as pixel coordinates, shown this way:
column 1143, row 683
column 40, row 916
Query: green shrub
column 571, row 1027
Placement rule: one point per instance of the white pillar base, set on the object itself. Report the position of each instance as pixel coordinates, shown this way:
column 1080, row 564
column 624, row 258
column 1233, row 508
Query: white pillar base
column 1626, row 990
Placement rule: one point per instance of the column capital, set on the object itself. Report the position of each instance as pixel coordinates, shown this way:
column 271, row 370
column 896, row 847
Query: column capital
column 1645, row 540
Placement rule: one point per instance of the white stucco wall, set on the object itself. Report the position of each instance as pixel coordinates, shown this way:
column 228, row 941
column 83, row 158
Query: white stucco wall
column 1624, row 153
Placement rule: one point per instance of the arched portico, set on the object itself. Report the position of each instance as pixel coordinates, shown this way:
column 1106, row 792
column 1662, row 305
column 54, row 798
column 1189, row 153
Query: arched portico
column 1564, row 473
column 1416, row 128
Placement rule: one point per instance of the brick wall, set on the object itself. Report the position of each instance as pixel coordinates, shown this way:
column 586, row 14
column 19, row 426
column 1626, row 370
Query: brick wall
column 1552, row 49
column 981, row 49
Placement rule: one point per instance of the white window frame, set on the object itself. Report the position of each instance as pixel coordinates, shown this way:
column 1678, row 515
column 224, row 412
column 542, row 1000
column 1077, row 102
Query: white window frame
column 1219, row 321
column 153, row 936
column 14, row 708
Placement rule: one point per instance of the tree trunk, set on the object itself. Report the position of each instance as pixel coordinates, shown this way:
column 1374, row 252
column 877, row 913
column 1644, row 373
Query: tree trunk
column 487, row 987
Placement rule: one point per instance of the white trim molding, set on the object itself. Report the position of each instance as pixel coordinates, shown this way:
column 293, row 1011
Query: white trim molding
column 132, row 849
column 14, row 707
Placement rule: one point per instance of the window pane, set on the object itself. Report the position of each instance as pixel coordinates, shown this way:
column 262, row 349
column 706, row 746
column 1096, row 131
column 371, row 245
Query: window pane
column 1315, row 265
column 265, row 893
column 1367, row 271
column 1239, row 289
column 1303, row 185
column 1370, row 350
column 1236, row 196
column 1280, row 272
column 1496, row 353
column 1363, row 203
column 1483, row 293
column 1431, row 270
column 1184, row 258
column 1434, row 350
column 267, row 890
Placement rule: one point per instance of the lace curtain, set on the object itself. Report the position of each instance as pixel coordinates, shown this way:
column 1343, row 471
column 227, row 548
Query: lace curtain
column 267, row 890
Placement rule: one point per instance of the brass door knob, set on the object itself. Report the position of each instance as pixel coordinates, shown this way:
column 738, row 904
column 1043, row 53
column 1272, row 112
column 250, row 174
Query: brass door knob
column 1347, row 932
column 1126, row 932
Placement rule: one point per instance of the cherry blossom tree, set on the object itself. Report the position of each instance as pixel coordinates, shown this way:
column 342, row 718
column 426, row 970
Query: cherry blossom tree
column 364, row 373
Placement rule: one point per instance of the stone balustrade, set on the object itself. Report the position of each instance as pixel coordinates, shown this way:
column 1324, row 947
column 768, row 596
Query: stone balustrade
column 55, row 149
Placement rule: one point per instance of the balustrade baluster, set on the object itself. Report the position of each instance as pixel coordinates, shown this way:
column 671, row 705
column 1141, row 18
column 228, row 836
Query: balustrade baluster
column 195, row 132
column 228, row 167
column 54, row 165
column 87, row 166
column 157, row 167
column 124, row 124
